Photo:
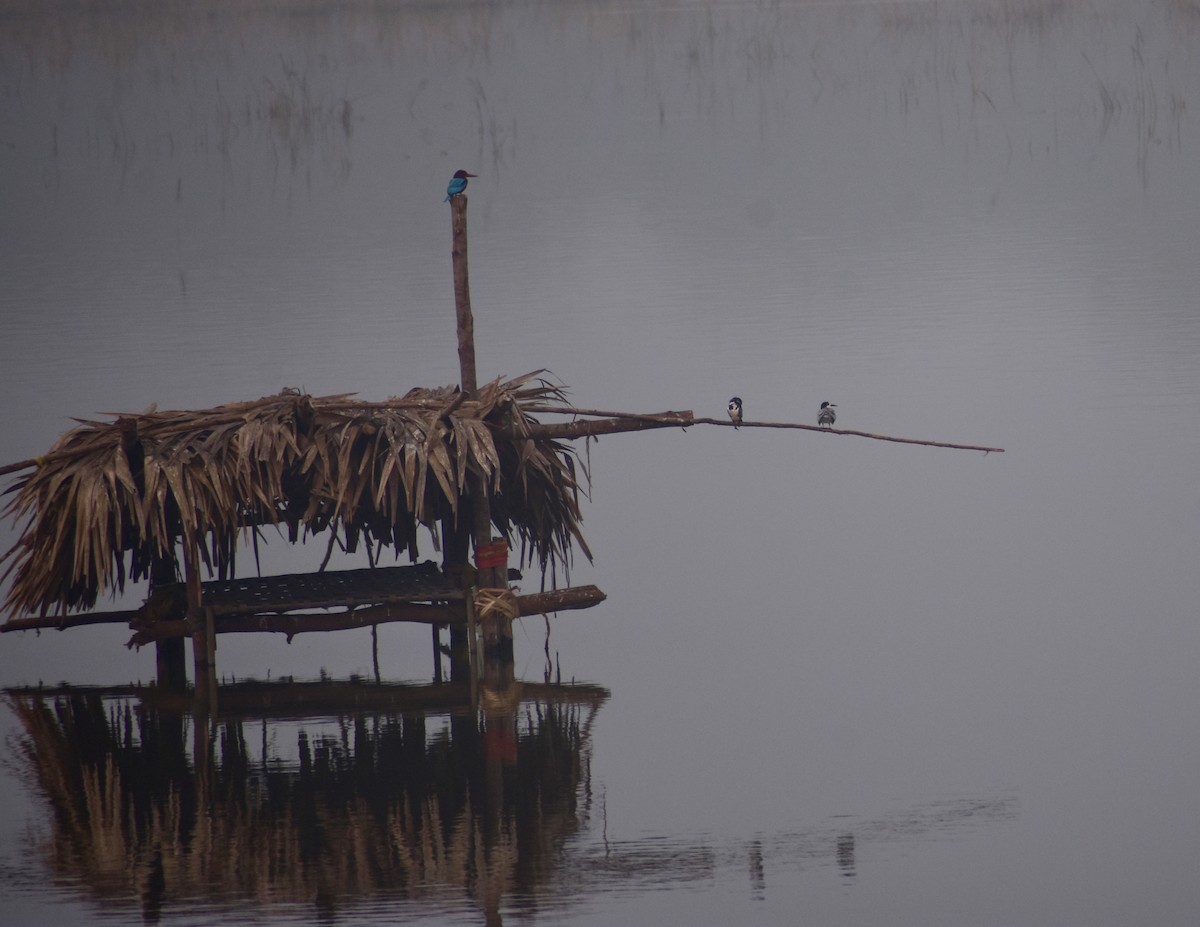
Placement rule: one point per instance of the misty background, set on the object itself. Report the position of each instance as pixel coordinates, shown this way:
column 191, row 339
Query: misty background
column 972, row 222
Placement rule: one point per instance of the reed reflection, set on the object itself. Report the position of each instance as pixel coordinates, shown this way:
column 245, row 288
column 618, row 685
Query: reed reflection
column 412, row 797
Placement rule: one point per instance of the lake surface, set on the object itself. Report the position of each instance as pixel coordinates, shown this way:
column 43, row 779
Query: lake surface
column 835, row 680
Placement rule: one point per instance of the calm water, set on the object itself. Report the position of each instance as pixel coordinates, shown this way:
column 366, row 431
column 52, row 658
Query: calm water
column 835, row 680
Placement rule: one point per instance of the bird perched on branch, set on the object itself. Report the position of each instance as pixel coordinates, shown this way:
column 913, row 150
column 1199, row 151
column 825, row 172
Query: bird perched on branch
column 735, row 410
column 827, row 416
column 458, row 183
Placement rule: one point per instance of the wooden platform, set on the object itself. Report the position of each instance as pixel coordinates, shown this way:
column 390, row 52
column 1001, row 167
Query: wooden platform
column 342, row 588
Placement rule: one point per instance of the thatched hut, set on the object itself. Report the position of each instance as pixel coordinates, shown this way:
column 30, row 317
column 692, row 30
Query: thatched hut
column 116, row 501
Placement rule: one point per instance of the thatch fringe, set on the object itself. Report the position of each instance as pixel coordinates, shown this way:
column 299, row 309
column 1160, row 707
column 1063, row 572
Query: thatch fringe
column 112, row 497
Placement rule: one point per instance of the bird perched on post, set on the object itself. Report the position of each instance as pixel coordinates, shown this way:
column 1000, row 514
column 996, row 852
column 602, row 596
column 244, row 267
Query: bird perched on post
column 458, row 183
column 735, row 410
column 827, row 416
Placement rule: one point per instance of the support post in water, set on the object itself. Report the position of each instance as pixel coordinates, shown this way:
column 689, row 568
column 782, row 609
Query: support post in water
column 171, row 656
column 197, row 620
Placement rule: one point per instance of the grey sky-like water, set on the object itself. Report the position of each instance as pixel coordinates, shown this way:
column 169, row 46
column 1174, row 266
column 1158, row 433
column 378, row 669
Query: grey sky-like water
column 969, row 222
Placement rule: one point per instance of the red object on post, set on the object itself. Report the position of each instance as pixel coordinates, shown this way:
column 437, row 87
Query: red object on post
column 493, row 555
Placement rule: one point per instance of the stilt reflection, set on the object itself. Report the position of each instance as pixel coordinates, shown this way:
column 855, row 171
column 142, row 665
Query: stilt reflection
column 412, row 795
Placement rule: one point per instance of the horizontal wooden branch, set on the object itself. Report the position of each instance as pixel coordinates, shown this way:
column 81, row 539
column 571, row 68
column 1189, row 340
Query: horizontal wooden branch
column 291, row 625
column 535, row 603
column 560, row 600
column 62, row 622
column 595, row 427
column 616, row 422
column 857, row 434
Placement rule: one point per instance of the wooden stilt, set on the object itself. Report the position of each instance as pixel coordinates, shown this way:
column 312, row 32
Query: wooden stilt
column 456, row 547
column 210, row 647
column 196, row 618
column 473, row 649
column 170, row 655
column 375, row 650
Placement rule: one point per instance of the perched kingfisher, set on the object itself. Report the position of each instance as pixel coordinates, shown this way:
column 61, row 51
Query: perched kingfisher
column 827, row 416
column 735, row 410
column 457, row 184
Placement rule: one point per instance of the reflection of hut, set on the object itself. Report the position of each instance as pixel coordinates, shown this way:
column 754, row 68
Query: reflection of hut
column 141, row 496
column 401, row 802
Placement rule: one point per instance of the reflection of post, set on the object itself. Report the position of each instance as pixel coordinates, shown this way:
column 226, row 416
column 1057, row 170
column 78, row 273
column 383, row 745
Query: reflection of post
column 202, row 761
column 845, row 855
column 758, row 880
column 499, row 752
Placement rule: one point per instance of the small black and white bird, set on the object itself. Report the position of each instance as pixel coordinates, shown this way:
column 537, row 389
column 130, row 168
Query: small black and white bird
column 827, row 416
column 735, row 410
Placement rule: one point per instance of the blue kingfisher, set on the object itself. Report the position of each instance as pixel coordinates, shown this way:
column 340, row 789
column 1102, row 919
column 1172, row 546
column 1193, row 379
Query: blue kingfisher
column 458, row 183
column 735, row 410
column 827, row 416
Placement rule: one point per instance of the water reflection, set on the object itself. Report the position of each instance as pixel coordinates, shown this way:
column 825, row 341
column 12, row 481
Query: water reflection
column 411, row 805
column 312, row 97
column 845, row 856
column 412, row 797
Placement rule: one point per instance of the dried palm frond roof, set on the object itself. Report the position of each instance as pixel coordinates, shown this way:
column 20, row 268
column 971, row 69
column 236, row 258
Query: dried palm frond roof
column 111, row 497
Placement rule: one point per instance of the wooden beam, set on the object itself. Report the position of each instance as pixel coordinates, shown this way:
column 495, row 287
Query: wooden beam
column 558, row 600
column 62, row 622
column 291, row 625
column 535, row 603
column 604, row 426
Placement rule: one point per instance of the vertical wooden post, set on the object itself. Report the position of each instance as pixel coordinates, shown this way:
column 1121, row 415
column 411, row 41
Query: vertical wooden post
column 210, row 642
column 170, row 654
column 496, row 623
column 456, row 552
column 462, row 295
column 477, row 486
column 472, row 649
column 375, row 651
column 201, row 672
column 489, row 576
